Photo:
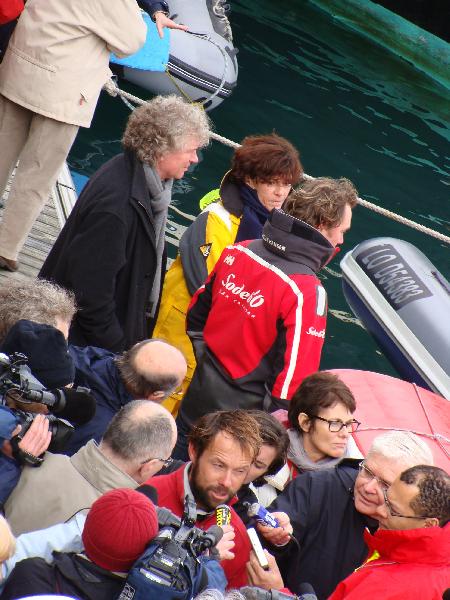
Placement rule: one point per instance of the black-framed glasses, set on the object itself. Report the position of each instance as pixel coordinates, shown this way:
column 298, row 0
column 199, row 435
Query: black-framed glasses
column 365, row 472
column 165, row 461
column 336, row 425
column 394, row 513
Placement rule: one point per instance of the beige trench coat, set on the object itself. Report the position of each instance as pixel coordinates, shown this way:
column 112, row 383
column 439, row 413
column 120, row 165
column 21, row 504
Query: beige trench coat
column 57, row 59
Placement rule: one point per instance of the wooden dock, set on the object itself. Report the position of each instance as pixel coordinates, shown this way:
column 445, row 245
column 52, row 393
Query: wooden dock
column 46, row 228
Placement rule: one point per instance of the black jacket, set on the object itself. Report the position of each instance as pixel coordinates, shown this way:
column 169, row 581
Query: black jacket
column 69, row 575
column 106, row 254
column 327, row 526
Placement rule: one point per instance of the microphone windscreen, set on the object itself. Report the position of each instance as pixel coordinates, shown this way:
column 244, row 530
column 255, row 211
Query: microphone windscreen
column 149, row 491
column 216, row 532
column 79, row 406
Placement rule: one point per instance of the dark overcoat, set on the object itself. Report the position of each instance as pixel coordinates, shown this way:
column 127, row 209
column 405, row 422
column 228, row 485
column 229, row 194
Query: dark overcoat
column 106, row 254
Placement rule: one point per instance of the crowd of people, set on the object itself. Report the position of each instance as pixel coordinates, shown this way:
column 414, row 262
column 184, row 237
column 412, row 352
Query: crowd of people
column 132, row 397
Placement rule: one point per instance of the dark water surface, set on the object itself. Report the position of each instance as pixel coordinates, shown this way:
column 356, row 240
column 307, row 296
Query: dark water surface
column 351, row 108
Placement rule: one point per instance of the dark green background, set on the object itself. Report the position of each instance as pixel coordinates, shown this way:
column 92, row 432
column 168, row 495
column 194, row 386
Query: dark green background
column 351, row 108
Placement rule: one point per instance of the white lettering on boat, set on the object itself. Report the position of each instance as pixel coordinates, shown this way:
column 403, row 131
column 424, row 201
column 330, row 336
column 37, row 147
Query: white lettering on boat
column 392, row 275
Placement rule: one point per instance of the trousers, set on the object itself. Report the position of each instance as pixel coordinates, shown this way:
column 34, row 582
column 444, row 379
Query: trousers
column 41, row 146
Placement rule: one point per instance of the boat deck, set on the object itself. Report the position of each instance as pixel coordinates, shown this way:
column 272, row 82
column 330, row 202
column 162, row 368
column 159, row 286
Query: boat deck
column 46, row 228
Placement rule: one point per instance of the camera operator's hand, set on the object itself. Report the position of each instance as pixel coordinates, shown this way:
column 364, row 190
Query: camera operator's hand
column 257, row 576
column 38, row 437
column 226, row 545
column 278, row 536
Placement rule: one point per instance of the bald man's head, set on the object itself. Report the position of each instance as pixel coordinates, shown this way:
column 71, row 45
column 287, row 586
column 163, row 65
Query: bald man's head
column 152, row 369
column 139, row 438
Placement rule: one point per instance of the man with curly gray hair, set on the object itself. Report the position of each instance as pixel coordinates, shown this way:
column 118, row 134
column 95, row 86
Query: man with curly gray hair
column 111, row 252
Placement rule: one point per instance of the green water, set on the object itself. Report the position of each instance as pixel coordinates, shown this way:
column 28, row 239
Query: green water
column 352, row 109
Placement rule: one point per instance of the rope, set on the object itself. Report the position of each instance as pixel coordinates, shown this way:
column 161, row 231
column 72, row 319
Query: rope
column 113, row 90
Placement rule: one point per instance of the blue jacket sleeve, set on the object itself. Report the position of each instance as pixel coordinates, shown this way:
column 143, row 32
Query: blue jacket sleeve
column 9, row 476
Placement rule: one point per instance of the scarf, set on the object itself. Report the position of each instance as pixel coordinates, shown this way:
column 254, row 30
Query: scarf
column 254, row 215
column 297, row 455
column 160, row 197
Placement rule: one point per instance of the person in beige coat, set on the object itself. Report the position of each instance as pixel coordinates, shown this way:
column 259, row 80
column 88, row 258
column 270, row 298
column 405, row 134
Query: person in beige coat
column 137, row 443
column 50, row 80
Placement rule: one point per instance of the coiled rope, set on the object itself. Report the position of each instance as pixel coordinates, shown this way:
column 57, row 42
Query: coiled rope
column 113, row 89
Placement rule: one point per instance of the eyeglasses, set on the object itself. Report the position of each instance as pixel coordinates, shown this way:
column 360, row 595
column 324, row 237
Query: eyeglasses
column 394, row 513
column 165, row 461
column 365, row 472
column 337, row 425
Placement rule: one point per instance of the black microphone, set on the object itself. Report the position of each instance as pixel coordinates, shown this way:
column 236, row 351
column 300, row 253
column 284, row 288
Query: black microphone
column 212, row 536
column 446, row 594
column 78, row 407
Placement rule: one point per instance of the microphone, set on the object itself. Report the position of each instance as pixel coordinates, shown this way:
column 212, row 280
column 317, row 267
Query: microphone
column 223, row 515
column 212, row 537
column 77, row 405
column 262, row 515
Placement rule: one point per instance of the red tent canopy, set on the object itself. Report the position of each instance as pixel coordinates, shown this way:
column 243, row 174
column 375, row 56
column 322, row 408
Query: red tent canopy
column 385, row 403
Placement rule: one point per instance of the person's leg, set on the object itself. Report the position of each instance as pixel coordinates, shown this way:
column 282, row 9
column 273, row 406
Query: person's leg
column 41, row 159
column 14, row 126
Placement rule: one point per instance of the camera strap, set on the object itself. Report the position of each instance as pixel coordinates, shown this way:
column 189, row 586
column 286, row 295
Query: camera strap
column 22, row 456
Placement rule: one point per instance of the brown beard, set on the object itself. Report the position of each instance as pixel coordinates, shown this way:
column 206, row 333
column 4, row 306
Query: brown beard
column 201, row 494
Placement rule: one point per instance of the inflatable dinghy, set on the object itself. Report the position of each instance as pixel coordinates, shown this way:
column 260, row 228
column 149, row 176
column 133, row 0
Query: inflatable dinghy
column 404, row 302
column 199, row 65
column 385, row 403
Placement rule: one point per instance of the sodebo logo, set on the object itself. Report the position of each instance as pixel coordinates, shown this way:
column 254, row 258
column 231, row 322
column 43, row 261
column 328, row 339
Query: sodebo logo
column 313, row 331
column 254, row 299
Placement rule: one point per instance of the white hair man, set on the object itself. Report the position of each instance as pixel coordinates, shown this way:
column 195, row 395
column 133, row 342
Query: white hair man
column 330, row 510
column 137, row 443
column 111, row 251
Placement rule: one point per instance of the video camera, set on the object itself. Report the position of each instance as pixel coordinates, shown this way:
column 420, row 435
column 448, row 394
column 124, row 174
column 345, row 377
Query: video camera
column 172, row 566
column 19, row 387
column 177, row 540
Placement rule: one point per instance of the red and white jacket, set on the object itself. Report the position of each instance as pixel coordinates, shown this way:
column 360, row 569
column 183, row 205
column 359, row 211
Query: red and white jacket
column 261, row 315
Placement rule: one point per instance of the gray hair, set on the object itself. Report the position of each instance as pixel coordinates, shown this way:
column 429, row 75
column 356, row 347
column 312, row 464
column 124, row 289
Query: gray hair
column 35, row 300
column 163, row 125
column 142, row 385
column 137, row 437
column 402, row 446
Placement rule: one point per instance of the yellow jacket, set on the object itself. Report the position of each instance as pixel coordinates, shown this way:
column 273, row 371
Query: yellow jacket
column 200, row 247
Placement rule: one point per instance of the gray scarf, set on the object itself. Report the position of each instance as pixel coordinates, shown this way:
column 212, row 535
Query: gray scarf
column 297, row 455
column 160, row 197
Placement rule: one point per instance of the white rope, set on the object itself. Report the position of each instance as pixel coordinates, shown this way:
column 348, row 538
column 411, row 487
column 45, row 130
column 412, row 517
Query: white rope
column 113, row 89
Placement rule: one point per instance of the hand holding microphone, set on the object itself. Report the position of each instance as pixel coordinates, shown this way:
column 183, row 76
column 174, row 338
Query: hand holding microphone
column 226, row 545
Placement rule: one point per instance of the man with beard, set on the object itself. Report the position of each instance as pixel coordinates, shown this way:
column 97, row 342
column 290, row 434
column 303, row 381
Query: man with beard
column 222, row 448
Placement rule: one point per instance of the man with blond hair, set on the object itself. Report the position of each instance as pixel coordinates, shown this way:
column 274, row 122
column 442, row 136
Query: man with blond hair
column 111, row 251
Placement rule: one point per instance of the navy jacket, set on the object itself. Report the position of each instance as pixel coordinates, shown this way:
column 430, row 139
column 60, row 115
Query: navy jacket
column 95, row 369
column 327, row 526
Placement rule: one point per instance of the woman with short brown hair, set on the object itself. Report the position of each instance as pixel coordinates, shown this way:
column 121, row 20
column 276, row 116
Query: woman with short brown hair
column 263, row 170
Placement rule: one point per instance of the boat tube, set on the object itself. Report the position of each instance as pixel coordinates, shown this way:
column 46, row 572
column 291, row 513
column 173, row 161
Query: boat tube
column 404, row 302
column 385, row 403
column 200, row 64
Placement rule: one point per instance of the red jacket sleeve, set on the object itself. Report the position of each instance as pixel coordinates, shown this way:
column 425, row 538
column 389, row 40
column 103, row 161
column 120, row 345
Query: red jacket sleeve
column 304, row 323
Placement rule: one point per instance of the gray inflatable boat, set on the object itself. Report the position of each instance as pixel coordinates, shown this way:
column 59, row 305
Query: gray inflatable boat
column 404, row 302
column 201, row 65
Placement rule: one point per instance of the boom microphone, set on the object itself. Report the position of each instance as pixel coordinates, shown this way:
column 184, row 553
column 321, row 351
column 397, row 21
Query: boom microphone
column 78, row 407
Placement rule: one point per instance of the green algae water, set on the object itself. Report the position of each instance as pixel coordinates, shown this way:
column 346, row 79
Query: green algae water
column 352, row 109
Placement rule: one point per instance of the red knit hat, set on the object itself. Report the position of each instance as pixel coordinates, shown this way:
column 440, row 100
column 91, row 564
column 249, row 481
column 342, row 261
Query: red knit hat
column 118, row 528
